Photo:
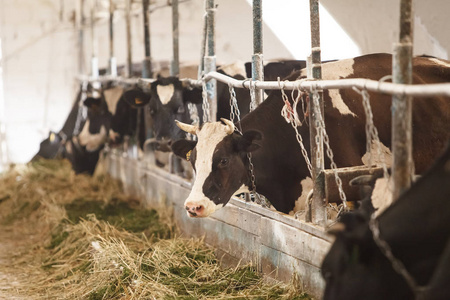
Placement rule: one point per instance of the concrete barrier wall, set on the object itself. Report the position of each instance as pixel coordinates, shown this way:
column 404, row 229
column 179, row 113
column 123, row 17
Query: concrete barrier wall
column 277, row 244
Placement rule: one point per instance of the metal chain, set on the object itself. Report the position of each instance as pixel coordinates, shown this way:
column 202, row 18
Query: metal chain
column 205, row 105
column 234, row 112
column 398, row 266
column 288, row 114
column 321, row 128
column 193, row 113
column 234, row 108
column 371, row 132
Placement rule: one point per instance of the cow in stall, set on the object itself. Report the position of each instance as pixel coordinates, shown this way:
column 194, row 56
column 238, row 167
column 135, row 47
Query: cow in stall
column 418, row 234
column 53, row 145
column 220, row 155
column 83, row 149
column 169, row 98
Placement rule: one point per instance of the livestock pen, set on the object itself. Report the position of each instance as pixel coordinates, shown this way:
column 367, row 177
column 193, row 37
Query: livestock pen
column 278, row 244
column 284, row 247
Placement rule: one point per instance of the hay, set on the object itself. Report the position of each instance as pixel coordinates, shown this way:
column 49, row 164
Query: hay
column 68, row 236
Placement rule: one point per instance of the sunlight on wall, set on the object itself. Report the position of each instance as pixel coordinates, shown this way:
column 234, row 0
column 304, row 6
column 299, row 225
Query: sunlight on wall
column 3, row 148
column 290, row 22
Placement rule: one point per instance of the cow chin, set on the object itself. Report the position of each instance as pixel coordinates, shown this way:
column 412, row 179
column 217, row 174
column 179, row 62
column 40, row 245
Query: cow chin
column 201, row 208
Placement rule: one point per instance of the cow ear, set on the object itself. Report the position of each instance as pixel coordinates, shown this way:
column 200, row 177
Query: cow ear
column 193, row 95
column 182, row 148
column 136, row 97
column 90, row 101
column 250, row 141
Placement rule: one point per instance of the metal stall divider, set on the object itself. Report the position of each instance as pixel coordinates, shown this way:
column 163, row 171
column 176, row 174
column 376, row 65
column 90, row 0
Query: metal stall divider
column 94, row 40
column 112, row 59
column 257, row 58
column 317, row 211
column 210, row 60
column 402, row 166
column 175, row 65
column 147, row 71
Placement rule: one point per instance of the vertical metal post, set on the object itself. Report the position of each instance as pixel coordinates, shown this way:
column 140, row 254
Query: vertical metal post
column 128, row 27
column 318, row 206
column 201, row 65
column 402, row 168
column 112, row 59
column 210, row 59
column 94, row 59
column 175, row 67
column 82, row 22
column 257, row 58
column 147, row 64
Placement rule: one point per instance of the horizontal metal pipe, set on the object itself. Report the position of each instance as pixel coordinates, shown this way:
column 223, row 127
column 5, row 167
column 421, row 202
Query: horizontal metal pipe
column 438, row 89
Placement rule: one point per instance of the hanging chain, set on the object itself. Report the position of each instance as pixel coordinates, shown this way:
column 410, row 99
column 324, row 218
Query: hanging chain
column 398, row 266
column 234, row 112
column 193, row 113
column 234, row 108
column 205, row 105
column 289, row 115
column 371, row 132
column 321, row 128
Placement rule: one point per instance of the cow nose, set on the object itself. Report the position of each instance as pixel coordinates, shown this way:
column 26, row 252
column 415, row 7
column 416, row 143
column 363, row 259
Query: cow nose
column 194, row 210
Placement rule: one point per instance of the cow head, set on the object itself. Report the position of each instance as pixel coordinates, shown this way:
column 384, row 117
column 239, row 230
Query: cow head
column 219, row 159
column 95, row 130
column 354, row 267
column 167, row 101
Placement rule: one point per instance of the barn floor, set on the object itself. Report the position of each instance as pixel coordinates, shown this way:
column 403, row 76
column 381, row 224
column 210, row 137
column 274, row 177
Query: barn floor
column 53, row 247
column 11, row 246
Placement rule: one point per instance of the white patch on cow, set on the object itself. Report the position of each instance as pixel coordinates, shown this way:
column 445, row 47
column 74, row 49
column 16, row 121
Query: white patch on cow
column 375, row 159
column 382, row 195
column 237, row 68
column 300, row 203
column 440, row 62
column 339, row 104
column 112, row 96
column 242, row 189
column 92, row 141
column 333, row 71
column 208, row 137
column 165, row 93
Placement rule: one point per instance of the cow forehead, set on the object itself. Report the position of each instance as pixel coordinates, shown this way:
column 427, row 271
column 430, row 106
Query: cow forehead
column 112, row 96
column 165, row 92
column 209, row 136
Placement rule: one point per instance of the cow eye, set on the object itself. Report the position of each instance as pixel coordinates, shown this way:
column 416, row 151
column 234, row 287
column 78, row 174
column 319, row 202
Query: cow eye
column 152, row 111
column 180, row 110
column 223, row 162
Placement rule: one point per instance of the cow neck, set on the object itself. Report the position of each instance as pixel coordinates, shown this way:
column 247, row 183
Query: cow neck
column 259, row 199
column 417, row 208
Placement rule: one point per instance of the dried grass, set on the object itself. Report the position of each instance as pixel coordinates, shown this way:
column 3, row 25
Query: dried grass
column 50, row 257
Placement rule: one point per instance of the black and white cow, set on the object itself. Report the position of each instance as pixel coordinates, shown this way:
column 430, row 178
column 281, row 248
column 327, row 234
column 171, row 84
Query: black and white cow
column 53, row 145
column 220, row 155
column 416, row 228
column 83, row 149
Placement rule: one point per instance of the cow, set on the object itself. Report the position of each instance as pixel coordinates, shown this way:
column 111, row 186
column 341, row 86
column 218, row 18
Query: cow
column 53, row 145
column 83, row 148
column 417, row 231
column 220, row 156
column 169, row 98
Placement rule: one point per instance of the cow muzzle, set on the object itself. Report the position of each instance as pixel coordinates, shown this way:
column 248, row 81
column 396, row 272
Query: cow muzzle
column 195, row 211
column 200, row 209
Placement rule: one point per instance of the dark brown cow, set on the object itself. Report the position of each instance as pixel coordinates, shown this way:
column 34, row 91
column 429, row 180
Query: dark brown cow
column 220, row 155
column 416, row 228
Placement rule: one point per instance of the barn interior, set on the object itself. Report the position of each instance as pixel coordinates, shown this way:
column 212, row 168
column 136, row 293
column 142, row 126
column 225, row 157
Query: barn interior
column 48, row 47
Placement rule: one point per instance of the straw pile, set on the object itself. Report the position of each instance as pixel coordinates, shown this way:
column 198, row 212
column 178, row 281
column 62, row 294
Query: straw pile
column 67, row 236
